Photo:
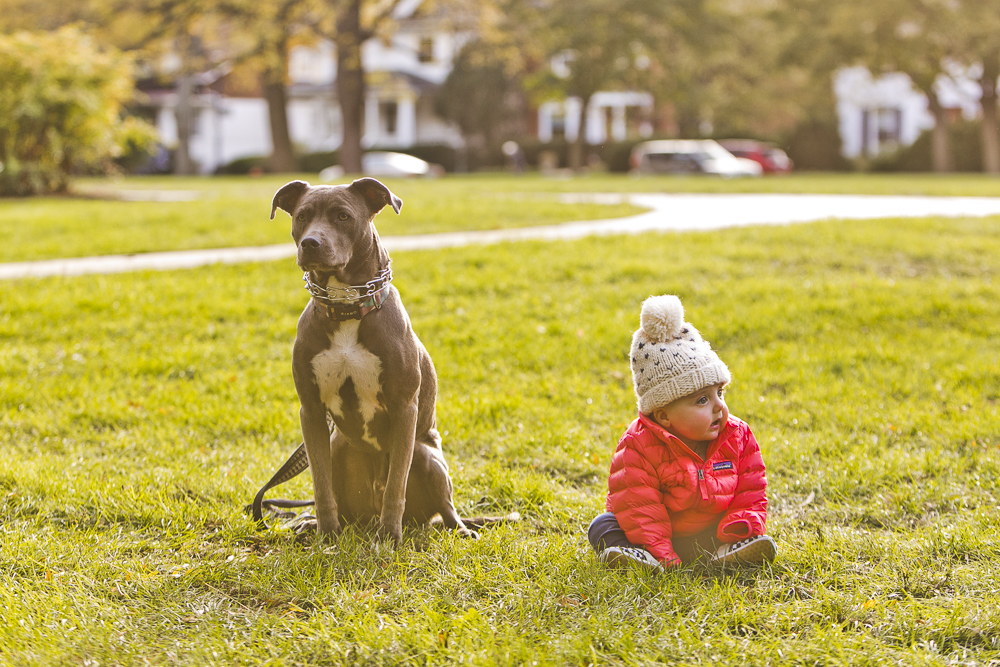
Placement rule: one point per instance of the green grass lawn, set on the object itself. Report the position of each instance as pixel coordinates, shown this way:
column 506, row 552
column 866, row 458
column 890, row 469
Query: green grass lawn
column 138, row 413
column 233, row 211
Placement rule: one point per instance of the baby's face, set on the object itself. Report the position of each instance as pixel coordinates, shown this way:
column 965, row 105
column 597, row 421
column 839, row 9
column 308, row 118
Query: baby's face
column 697, row 418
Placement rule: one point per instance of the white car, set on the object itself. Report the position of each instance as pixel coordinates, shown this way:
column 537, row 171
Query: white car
column 690, row 156
column 387, row 165
column 382, row 163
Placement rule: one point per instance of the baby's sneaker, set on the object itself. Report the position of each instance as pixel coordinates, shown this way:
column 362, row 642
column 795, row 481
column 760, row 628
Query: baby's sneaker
column 623, row 556
column 746, row 552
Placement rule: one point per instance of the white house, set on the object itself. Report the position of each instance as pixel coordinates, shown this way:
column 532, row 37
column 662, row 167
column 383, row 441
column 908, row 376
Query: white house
column 608, row 118
column 402, row 75
column 885, row 113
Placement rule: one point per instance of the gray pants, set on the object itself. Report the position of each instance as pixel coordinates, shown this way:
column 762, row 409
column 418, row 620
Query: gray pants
column 605, row 532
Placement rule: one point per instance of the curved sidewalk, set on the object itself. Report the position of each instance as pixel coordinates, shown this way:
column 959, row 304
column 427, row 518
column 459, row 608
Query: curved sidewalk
column 668, row 212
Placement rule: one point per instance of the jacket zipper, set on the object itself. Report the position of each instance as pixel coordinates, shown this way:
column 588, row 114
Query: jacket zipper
column 701, row 484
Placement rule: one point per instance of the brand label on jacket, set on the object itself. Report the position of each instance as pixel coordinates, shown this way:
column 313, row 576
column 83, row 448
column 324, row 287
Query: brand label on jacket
column 722, row 465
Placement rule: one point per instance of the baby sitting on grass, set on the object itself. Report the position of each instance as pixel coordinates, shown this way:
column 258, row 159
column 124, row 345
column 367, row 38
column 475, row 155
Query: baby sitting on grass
column 687, row 479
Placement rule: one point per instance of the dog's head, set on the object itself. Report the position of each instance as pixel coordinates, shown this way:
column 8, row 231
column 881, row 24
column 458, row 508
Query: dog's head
column 331, row 222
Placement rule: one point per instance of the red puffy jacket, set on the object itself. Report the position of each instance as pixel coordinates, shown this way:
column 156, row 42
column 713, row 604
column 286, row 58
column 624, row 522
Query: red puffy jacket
column 658, row 487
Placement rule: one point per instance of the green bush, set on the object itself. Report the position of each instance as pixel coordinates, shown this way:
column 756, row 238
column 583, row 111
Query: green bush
column 816, row 146
column 61, row 102
column 317, row 162
column 963, row 140
column 533, row 149
column 242, row 166
column 614, row 155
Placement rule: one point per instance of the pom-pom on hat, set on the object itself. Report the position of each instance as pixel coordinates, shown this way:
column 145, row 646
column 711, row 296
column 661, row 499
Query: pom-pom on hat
column 669, row 358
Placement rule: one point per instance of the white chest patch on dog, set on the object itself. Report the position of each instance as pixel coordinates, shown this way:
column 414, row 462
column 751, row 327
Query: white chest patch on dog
column 346, row 358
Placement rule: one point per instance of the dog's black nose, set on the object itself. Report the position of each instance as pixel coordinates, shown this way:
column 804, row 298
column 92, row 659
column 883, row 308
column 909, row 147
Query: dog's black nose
column 309, row 243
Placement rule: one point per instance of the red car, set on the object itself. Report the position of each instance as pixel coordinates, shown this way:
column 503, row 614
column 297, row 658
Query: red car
column 770, row 157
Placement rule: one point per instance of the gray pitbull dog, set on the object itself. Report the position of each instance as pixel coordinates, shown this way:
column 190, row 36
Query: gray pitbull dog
column 366, row 385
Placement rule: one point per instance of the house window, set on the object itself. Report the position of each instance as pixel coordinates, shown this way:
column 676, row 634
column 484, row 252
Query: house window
column 389, row 113
column 425, row 53
column 889, row 121
column 558, row 125
column 880, row 129
column 327, row 120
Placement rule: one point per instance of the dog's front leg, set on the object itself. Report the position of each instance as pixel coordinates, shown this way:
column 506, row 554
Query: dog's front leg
column 316, row 434
column 401, row 443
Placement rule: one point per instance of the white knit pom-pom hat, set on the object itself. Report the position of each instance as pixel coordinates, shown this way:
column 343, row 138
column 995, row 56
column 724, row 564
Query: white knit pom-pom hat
column 669, row 358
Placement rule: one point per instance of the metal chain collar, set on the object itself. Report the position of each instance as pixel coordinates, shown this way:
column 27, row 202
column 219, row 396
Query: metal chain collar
column 351, row 293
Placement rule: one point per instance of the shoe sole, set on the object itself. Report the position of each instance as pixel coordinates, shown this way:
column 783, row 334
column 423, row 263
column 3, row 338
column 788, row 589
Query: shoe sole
column 755, row 553
column 620, row 560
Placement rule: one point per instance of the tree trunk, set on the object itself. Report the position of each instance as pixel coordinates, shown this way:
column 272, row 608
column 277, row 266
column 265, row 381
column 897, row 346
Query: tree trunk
column 940, row 150
column 579, row 145
column 988, row 128
column 183, row 165
column 282, row 158
column 351, row 85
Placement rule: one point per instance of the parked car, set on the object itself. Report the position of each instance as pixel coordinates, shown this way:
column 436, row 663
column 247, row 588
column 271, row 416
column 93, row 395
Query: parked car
column 383, row 163
column 386, row 164
column 689, row 156
column 770, row 157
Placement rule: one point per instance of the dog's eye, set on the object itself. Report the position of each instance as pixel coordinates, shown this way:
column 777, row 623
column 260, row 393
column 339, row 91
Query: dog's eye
column 300, row 217
column 342, row 216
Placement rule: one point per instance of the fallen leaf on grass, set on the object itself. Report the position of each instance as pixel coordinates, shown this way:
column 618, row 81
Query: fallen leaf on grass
column 570, row 601
column 294, row 610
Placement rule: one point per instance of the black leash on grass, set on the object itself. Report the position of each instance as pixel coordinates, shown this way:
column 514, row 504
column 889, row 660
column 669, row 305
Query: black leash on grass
column 296, row 464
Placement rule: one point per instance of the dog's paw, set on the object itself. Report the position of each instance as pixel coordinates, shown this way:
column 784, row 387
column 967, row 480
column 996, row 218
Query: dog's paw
column 391, row 534
column 468, row 534
column 307, row 531
column 329, row 528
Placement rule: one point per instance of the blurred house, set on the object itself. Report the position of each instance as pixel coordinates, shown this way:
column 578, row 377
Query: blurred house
column 879, row 115
column 612, row 116
column 230, row 118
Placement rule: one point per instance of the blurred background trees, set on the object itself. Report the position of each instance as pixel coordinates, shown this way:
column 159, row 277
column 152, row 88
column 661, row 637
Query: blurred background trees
column 590, row 47
column 61, row 99
column 737, row 68
column 261, row 33
column 478, row 96
column 353, row 23
column 979, row 47
column 914, row 37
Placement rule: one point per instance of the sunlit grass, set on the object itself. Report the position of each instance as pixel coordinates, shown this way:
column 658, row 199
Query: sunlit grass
column 138, row 413
column 233, row 211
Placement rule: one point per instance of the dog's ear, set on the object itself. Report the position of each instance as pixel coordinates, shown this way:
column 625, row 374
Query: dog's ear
column 376, row 194
column 287, row 197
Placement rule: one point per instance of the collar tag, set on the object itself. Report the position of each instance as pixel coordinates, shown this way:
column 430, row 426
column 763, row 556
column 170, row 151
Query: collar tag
column 340, row 312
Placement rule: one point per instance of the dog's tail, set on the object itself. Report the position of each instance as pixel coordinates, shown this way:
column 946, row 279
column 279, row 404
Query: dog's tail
column 480, row 522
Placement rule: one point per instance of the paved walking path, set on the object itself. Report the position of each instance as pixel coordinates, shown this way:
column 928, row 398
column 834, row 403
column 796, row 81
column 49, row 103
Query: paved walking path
column 668, row 212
